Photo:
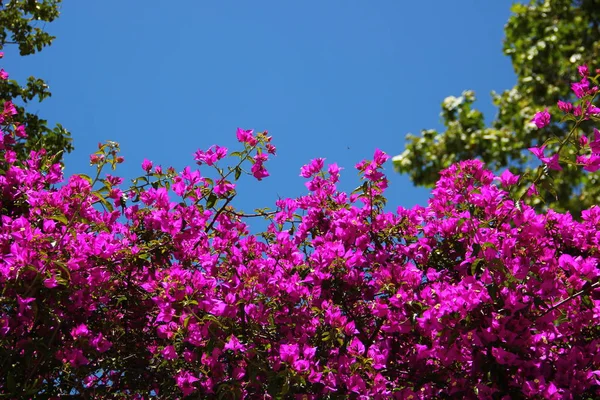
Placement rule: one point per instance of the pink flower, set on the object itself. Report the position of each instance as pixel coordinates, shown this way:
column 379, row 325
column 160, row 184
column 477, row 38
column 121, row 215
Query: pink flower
column 258, row 170
column 356, row 384
column 301, row 365
column 222, row 187
column 100, row 343
column 581, row 88
column 590, row 163
column 334, row 172
column 289, row 353
column 565, row 106
column 185, row 381
column 503, row 357
column 3, row 74
column 80, row 330
column 147, row 165
column 89, row 381
column 246, row 136
column 380, row 157
column 169, row 353
column 356, row 348
column 595, row 144
column 541, row 119
column 51, row 282
column 532, row 190
column 20, row 131
column 315, row 166
column 9, row 108
column 234, row 345
column 551, row 162
column 73, row 356
column 211, row 156
column 508, row 178
column 592, row 110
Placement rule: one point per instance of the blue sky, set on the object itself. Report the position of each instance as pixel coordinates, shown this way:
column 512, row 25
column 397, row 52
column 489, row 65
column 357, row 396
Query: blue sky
column 333, row 79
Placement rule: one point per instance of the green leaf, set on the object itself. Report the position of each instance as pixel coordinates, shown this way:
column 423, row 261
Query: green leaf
column 477, row 266
column 10, row 383
column 212, row 199
column 65, row 271
column 103, row 200
column 60, row 218
column 87, row 178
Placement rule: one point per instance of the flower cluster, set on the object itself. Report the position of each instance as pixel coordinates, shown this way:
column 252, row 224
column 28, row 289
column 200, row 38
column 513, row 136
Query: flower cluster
column 581, row 113
column 160, row 291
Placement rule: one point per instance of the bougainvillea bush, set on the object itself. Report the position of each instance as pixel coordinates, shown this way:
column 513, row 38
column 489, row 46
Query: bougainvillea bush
column 158, row 290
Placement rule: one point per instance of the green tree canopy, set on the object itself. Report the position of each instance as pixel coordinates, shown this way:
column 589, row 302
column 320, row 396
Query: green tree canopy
column 22, row 24
column 546, row 40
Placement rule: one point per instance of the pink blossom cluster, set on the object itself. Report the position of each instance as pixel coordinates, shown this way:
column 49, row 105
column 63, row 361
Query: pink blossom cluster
column 585, row 111
column 160, row 291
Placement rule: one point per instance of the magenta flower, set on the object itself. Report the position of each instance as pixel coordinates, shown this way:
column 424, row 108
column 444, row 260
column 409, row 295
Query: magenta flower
column 147, row 165
column 211, row 156
column 565, row 106
column 356, row 384
column 301, row 365
column 80, row 330
column 51, row 282
column 89, row 381
column 595, row 143
column 246, row 136
column 592, row 110
column 222, row 187
column 581, row 88
column 185, row 381
column 551, row 162
column 234, row 345
column 99, row 343
column 356, row 348
column 258, row 170
column 169, row 353
column 289, row 353
column 502, row 356
column 508, row 178
column 590, row 163
column 541, row 119
column 380, row 157
column 532, row 190
column 315, row 166
column 9, row 108
column 73, row 356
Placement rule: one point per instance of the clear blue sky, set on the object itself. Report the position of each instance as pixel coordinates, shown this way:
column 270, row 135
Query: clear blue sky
column 333, row 79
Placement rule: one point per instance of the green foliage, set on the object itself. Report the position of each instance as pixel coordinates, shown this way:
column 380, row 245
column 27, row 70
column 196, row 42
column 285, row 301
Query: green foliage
column 546, row 40
column 22, row 24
